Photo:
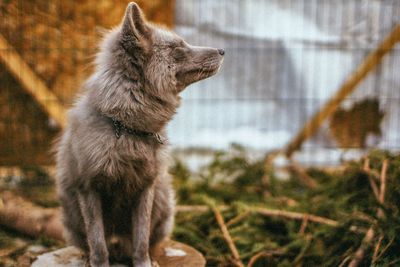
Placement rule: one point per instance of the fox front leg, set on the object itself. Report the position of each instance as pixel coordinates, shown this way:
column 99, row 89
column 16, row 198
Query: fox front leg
column 141, row 219
column 90, row 205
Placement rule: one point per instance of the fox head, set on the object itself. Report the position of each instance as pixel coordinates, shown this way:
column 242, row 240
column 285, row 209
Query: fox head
column 169, row 63
column 142, row 68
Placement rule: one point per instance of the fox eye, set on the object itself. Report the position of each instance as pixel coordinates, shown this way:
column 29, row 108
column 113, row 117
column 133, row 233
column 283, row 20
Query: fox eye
column 178, row 53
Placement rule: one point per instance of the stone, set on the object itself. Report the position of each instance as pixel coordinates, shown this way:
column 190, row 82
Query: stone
column 166, row 254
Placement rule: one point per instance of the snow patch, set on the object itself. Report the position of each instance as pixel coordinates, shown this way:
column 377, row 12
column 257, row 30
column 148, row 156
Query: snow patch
column 173, row 252
column 246, row 136
column 65, row 257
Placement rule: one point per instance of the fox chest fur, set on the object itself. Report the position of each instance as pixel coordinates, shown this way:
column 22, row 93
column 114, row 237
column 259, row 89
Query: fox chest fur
column 105, row 162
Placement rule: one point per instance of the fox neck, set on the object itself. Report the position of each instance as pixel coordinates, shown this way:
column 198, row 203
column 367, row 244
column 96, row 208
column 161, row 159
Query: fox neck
column 148, row 112
column 131, row 103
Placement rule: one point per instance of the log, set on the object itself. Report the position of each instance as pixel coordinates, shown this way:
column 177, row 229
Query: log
column 29, row 219
column 23, row 216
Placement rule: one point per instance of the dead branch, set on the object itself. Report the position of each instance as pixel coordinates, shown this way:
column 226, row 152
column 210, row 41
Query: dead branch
column 297, row 260
column 295, row 216
column 306, row 179
column 382, row 252
column 381, row 200
column 372, row 182
column 273, row 213
column 359, row 255
column 261, row 254
column 301, row 216
column 345, row 260
column 383, row 182
column 195, row 208
column 227, row 236
column 25, row 217
column 238, row 218
column 377, row 248
column 303, row 226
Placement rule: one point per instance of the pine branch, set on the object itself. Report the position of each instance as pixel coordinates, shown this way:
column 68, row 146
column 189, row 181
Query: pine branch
column 359, row 255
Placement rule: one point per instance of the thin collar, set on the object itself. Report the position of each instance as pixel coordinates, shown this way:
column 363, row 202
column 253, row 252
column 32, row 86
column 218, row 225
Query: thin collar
column 120, row 128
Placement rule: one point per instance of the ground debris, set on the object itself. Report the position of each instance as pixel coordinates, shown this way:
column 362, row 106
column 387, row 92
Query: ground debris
column 292, row 225
column 343, row 202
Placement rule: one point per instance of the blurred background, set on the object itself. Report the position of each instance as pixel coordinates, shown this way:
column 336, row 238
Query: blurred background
column 308, row 81
column 285, row 60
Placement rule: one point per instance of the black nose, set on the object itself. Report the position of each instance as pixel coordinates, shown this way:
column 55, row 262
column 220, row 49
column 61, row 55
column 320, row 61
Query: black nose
column 221, row 51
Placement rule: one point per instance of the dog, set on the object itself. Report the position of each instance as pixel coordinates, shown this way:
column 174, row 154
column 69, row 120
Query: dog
column 112, row 175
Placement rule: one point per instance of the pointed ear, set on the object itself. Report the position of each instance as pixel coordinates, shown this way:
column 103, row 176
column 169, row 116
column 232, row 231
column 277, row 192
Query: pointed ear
column 134, row 23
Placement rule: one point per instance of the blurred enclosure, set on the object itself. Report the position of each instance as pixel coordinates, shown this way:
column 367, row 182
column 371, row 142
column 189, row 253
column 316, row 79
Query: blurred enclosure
column 284, row 60
column 58, row 40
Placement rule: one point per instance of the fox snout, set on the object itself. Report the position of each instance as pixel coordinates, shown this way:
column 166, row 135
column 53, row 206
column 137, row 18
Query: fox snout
column 200, row 63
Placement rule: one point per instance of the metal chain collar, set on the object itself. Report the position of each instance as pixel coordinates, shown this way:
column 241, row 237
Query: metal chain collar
column 119, row 128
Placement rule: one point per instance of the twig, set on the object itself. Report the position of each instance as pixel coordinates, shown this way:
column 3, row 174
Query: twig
column 372, row 183
column 359, row 255
column 376, row 250
column 238, row 218
column 375, row 175
column 383, row 182
column 364, row 217
column 227, row 236
column 266, row 178
column 345, row 260
column 265, row 182
column 273, row 213
column 303, row 226
column 373, row 186
column 261, row 254
column 295, row 216
column 192, row 208
column 381, row 200
column 393, row 262
column 384, row 249
column 303, row 251
column 301, row 216
column 306, row 179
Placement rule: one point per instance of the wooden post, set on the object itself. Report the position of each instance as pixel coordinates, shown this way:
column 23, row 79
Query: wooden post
column 369, row 63
column 32, row 84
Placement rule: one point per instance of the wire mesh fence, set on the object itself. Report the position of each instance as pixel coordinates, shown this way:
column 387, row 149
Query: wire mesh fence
column 284, row 60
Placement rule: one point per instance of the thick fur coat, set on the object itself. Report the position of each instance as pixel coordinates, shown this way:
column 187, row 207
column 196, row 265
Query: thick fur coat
column 115, row 193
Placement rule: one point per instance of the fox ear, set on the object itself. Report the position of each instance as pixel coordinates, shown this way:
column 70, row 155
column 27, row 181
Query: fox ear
column 134, row 23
